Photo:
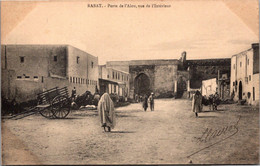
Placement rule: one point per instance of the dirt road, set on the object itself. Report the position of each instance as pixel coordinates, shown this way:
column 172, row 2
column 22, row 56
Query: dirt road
column 170, row 134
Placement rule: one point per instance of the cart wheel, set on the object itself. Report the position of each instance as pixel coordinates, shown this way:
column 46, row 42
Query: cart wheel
column 47, row 113
column 60, row 106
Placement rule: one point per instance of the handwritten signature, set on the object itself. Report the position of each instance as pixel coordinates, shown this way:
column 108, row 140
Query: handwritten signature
column 209, row 135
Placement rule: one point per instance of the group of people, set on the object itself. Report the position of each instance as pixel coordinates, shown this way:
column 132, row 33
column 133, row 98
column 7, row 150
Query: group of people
column 106, row 110
column 198, row 101
column 147, row 100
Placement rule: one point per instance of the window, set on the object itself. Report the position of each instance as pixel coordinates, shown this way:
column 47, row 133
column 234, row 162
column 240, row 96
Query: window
column 113, row 75
column 92, row 64
column 240, row 64
column 107, row 76
column 42, row 79
column 22, row 59
column 249, row 77
column 77, row 59
column 70, row 79
column 27, row 76
column 119, row 76
column 35, row 78
column 19, row 77
column 248, row 62
column 234, row 66
column 73, row 79
column 55, row 58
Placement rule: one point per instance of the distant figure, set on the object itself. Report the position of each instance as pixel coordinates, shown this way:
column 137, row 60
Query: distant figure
column 73, row 94
column 136, row 98
column 96, row 99
column 106, row 112
column 216, row 101
column 197, row 103
column 140, row 98
column 151, row 101
column 145, row 102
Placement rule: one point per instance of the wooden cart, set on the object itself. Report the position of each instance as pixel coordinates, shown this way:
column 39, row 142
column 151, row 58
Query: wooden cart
column 52, row 103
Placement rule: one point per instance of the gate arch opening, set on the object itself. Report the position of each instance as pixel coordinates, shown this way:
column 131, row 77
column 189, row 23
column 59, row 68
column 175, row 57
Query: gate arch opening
column 142, row 84
column 181, row 87
column 240, row 93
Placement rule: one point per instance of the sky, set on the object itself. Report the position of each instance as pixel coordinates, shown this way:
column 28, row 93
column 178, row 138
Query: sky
column 205, row 29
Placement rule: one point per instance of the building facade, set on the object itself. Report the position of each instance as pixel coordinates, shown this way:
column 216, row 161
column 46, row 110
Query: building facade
column 244, row 80
column 173, row 77
column 30, row 69
column 209, row 87
column 113, row 81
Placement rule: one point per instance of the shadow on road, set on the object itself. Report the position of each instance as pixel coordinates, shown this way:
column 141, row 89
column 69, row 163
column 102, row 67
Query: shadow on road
column 69, row 118
column 207, row 117
column 122, row 132
column 123, row 116
column 214, row 110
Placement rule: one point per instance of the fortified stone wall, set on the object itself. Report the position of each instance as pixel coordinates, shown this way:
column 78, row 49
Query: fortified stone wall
column 135, row 71
column 207, row 69
column 165, row 76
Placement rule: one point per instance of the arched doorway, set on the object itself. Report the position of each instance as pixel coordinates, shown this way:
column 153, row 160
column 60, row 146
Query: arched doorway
column 181, row 87
column 240, row 92
column 142, row 84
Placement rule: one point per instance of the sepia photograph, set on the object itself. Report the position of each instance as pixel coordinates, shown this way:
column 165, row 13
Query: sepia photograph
column 129, row 82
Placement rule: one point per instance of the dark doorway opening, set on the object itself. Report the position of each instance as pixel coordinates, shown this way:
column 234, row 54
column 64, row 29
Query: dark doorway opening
column 181, row 87
column 253, row 93
column 240, row 93
column 142, row 84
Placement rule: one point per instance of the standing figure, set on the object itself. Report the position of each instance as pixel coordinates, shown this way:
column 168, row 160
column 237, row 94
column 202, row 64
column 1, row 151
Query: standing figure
column 197, row 103
column 96, row 99
column 106, row 112
column 73, row 94
column 215, row 101
column 136, row 98
column 145, row 102
column 151, row 101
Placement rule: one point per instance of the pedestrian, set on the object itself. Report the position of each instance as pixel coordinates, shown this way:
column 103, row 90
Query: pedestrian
column 216, row 101
column 151, row 101
column 136, row 98
column 106, row 112
column 197, row 103
column 73, row 94
column 96, row 98
column 145, row 102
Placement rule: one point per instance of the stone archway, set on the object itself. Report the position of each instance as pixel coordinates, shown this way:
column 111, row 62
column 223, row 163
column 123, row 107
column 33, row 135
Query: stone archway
column 240, row 91
column 181, row 87
column 142, row 84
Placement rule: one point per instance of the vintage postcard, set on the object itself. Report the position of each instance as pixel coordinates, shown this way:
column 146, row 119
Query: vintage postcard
column 129, row 82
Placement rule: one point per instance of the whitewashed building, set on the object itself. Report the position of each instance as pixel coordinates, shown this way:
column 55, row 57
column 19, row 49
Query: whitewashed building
column 113, row 81
column 244, row 81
